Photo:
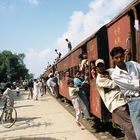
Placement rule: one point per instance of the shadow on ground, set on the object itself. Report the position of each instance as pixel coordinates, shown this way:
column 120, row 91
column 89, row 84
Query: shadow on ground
column 27, row 119
column 23, row 106
column 24, row 123
column 38, row 138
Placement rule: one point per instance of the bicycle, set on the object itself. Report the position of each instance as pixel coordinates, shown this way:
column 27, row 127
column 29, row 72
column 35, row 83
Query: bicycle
column 8, row 116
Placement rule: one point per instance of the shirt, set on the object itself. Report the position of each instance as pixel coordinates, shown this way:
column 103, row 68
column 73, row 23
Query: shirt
column 17, row 89
column 109, row 92
column 73, row 92
column 50, row 82
column 8, row 97
column 128, row 81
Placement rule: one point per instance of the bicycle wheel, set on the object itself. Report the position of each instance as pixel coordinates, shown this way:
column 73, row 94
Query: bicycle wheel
column 8, row 117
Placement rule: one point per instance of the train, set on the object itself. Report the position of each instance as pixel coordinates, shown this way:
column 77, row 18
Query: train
column 120, row 31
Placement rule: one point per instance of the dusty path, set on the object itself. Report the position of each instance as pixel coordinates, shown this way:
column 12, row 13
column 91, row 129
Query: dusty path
column 44, row 119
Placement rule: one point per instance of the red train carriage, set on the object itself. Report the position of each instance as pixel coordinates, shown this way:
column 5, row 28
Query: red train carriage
column 94, row 46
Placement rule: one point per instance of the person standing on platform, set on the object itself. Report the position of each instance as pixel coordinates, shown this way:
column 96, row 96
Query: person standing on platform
column 43, row 87
column 36, row 89
column 30, row 88
column 17, row 90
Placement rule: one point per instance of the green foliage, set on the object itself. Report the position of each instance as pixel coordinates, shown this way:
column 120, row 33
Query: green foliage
column 12, row 67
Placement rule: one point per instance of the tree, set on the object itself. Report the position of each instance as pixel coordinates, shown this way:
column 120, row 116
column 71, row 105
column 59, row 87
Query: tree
column 12, row 67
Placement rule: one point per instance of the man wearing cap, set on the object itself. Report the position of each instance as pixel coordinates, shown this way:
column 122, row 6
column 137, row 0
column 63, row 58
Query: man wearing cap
column 113, row 99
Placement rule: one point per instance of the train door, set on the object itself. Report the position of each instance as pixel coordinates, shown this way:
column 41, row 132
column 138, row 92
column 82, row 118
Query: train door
column 96, row 48
column 95, row 100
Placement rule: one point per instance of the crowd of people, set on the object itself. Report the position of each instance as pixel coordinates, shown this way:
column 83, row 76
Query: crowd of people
column 119, row 88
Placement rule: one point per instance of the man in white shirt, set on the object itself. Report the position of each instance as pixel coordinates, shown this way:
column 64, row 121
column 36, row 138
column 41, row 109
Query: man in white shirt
column 52, row 85
column 126, row 75
column 113, row 99
column 8, row 96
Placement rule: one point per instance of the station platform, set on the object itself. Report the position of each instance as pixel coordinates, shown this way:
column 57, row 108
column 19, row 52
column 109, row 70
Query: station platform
column 44, row 119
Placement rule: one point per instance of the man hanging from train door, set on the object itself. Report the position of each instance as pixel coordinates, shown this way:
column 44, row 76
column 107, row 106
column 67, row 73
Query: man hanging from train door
column 127, row 76
column 113, row 99
column 79, row 82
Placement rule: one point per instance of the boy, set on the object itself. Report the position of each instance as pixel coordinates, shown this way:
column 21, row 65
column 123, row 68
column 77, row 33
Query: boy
column 73, row 93
column 17, row 90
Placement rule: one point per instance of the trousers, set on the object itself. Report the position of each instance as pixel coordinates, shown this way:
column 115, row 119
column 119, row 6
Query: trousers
column 124, row 121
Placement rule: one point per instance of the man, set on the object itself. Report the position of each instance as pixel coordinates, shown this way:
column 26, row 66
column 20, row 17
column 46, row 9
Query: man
column 113, row 99
column 7, row 95
column 30, row 87
column 8, row 99
column 52, row 84
column 69, row 44
column 36, row 89
column 126, row 75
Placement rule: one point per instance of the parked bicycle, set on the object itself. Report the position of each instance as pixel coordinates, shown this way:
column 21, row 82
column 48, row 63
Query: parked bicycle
column 8, row 116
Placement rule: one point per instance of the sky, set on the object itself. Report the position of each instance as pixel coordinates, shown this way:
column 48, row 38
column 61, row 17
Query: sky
column 38, row 27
